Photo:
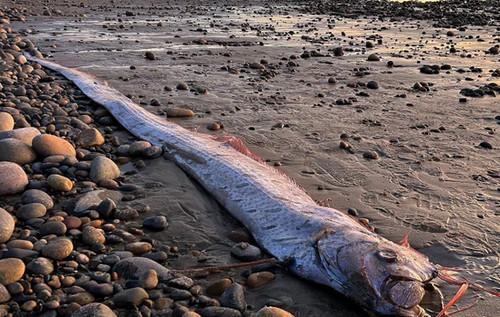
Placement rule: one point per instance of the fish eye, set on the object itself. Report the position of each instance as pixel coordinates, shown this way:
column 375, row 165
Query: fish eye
column 388, row 256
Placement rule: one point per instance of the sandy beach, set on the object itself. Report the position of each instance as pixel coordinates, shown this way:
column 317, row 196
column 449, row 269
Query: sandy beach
column 392, row 119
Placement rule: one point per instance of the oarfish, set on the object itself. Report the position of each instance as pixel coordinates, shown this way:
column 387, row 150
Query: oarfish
column 320, row 244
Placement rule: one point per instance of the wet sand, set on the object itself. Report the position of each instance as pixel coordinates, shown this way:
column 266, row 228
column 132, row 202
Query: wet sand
column 431, row 180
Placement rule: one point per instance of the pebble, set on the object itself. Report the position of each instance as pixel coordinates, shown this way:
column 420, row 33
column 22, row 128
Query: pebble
column 29, row 211
column 245, row 252
column 40, row 266
column 11, row 270
column 486, row 145
column 6, row 121
column 14, row 150
column 102, row 168
column 20, row 244
column 373, row 58
column 4, row 296
column 94, row 310
column 48, row 145
column 149, row 55
column 138, row 248
column 214, row 311
column 259, row 279
column 179, row 113
column 57, row 228
column 182, row 86
column 13, row 179
column 132, row 268
column 137, row 148
column 234, row 297
column 191, row 314
column 156, row 223
column 370, row 155
column 7, row 225
column 372, row 84
column 37, row 196
column 270, row 311
column 90, row 137
column 93, row 236
column 130, row 297
column 60, row 183
column 149, row 279
column 218, row 287
column 26, row 135
column 58, row 249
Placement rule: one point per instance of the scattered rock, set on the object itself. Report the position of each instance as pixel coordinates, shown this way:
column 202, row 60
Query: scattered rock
column 102, row 168
column 37, row 196
column 58, row 249
column 179, row 113
column 6, row 121
column 234, row 297
column 60, row 183
column 7, row 225
column 13, row 179
column 245, row 252
column 93, row 236
column 11, row 270
column 29, row 211
column 156, row 223
column 40, row 266
column 14, row 150
column 26, row 135
column 135, row 267
column 218, row 287
column 94, row 310
column 90, row 137
column 48, row 145
column 130, row 297
column 270, row 311
column 259, row 279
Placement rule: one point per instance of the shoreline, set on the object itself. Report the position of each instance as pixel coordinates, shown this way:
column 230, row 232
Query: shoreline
column 321, row 176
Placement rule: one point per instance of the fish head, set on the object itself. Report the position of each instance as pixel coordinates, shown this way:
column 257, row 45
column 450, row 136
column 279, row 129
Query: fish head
column 380, row 275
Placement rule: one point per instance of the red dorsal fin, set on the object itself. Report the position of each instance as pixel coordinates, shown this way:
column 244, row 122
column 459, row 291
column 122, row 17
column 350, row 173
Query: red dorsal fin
column 239, row 146
column 404, row 242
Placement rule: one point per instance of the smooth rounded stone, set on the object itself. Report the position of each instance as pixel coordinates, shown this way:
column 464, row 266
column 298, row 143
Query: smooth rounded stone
column 11, row 270
column 41, row 266
column 191, row 314
column 94, row 198
column 149, row 55
column 149, row 279
column 106, row 208
column 26, row 135
column 132, row 268
column 4, row 295
column 13, row 179
column 29, row 211
column 156, row 223
column 37, row 196
column 234, row 297
column 245, row 252
column 90, row 137
column 93, row 236
column 47, row 145
column 179, row 113
column 72, row 222
column 130, row 297
column 57, row 228
column 139, row 248
column 82, row 298
column 7, row 225
column 126, row 214
column 214, row 311
column 270, row 311
column 370, row 155
column 14, row 150
column 372, row 84
column 180, row 294
column 158, row 256
column 18, row 253
column 100, row 290
column 94, row 310
column 103, row 168
column 60, row 183
column 373, row 58
column 152, row 152
column 183, row 282
column 20, row 244
column 58, row 249
column 218, row 287
column 137, row 148
column 6, row 121
column 259, row 279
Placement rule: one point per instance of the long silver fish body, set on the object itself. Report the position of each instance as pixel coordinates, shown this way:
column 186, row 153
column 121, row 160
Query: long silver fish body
column 320, row 244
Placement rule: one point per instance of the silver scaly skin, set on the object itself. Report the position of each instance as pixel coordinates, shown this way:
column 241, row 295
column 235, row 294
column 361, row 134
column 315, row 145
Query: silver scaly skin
column 321, row 244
